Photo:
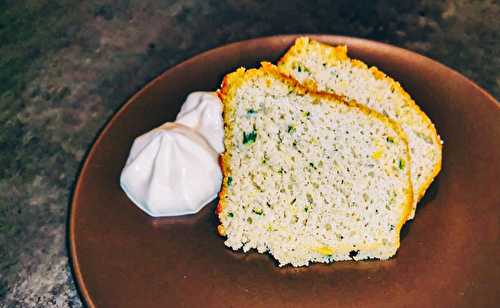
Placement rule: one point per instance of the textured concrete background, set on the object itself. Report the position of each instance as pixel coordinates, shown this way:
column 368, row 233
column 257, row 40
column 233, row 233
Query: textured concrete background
column 67, row 65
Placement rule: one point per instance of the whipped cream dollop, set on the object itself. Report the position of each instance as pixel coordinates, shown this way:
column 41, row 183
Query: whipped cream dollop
column 173, row 169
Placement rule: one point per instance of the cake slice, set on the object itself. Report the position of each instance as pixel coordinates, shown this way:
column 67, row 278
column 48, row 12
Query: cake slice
column 327, row 68
column 309, row 177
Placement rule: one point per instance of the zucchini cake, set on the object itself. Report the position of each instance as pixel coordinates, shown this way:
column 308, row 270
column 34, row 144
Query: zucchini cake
column 327, row 68
column 309, row 177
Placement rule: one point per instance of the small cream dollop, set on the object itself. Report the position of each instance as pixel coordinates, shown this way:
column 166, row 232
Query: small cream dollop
column 173, row 170
column 202, row 111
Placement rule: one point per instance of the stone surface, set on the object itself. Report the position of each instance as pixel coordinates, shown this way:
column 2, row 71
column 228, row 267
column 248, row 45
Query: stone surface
column 66, row 66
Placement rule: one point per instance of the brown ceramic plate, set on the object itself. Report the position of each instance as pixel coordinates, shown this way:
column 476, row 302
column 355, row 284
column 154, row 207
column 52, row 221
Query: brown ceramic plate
column 449, row 256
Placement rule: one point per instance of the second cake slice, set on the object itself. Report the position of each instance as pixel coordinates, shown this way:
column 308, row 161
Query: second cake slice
column 328, row 68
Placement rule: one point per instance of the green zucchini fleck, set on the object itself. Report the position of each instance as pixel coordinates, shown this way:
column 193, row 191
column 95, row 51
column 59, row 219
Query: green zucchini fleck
column 291, row 129
column 257, row 211
column 401, row 164
column 230, row 214
column 249, row 138
column 229, row 180
column 301, row 68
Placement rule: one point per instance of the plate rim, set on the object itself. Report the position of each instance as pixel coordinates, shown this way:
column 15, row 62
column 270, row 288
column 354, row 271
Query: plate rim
column 71, row 221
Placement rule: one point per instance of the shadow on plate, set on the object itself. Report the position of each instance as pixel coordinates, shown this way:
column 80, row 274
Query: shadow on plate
column 429, row 196
column 208, row 212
